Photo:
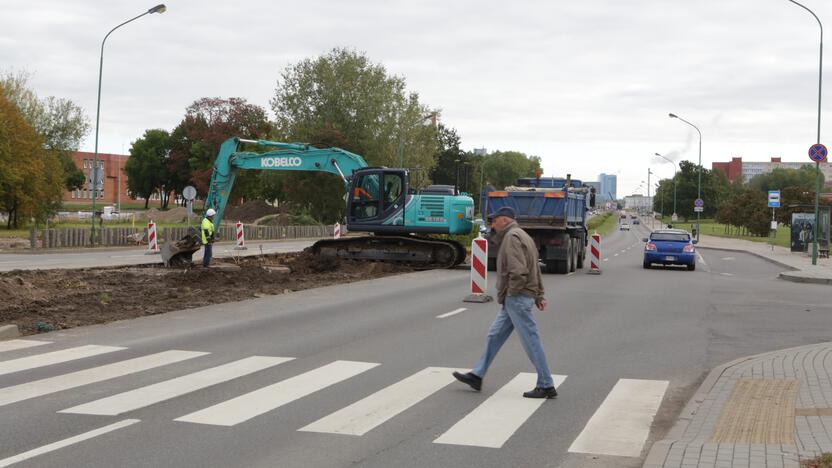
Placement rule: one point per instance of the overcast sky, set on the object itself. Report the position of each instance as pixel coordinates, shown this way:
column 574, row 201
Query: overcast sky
column 586, row 85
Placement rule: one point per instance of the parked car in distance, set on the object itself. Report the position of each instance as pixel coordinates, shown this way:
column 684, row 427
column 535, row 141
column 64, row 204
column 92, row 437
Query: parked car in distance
column 624, row 226
column 670, row 247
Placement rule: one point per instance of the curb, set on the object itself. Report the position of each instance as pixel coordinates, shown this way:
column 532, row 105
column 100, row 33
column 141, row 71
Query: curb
column 659, row 450
column 768, row 259
column 788, row 276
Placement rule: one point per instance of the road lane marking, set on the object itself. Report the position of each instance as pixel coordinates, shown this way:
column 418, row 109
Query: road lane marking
column 13, row 345
column 727, row 274
column 606, row 259
column 493, row 422
column 369, row 413
column 453, row 312
column 25, row 391
column 615, row 255
column 152, row 394
column 621, row 425
column 66, row 442
column 701, row 258
column 245, row 407
column 55, row 357
column 728, row 258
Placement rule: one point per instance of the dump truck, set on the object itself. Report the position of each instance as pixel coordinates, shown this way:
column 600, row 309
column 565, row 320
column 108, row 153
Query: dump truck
column 553, row 211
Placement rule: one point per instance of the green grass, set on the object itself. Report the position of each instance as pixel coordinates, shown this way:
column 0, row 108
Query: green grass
column 823, row 461
column 140, row 224
column 603, row 224
column 711, row 228
column 133, row 206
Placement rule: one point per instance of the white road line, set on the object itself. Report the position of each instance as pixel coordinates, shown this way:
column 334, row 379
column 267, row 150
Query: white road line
column 152, row 394
column 623, row 250
column 245, row 407
column 728, row 258
column 66, row 442
column 701, row 258
column 493, row 422
column 55, row 357
column 453, row 312
column 727, row 274
column 615, row 255
column 369, row 413
column 59, row 383
column 13, row 345
column 621, row 424
column 606, row 259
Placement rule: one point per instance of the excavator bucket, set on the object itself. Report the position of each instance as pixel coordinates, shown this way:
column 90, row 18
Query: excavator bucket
column 181, row 252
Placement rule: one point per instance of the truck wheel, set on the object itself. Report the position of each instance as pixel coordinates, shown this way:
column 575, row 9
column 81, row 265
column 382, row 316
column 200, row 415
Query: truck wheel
column 492, row 264
column 573, row 258
column 581, row 254
column 551, row 266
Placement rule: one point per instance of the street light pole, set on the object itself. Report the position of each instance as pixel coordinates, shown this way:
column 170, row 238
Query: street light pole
column 160, row 8
column 699, row 183
column 675, row 170
column 817, row 163
column 649, row 201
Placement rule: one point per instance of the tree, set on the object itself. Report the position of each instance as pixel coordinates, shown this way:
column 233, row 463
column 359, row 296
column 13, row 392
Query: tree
column 31, row 177
column 780, row 178
column 503, row 168
column 196, row 140
column 791, row 196
column 449, row 152
column 146, row 168
column 60, row 123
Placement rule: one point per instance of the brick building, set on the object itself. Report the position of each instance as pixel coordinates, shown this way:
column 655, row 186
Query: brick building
column 114, row 188
column 737, row 169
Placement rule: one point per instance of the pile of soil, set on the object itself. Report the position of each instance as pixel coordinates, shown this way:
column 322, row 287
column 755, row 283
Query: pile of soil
column 250, row 211
column 58, row 299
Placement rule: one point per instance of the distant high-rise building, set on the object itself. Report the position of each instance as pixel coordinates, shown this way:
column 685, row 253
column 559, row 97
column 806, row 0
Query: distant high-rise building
column 608, row 187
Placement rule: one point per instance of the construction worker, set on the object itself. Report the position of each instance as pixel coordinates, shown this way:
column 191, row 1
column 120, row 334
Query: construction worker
column 207, row 233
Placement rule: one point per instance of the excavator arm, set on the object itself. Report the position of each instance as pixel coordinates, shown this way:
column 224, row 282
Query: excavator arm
column 286, row 157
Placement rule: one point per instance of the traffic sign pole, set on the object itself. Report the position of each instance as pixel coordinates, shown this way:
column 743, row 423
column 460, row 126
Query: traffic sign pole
column 817, row 153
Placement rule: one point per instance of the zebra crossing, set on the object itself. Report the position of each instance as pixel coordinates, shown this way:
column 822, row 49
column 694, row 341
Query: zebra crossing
column 492, row 424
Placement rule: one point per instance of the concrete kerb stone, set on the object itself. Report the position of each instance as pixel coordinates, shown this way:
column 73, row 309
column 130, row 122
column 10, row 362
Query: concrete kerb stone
column 796, row 277
column 8, row 332
column 660, row 449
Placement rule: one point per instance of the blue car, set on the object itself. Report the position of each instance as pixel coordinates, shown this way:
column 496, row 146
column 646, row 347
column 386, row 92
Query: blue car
column 670, row 247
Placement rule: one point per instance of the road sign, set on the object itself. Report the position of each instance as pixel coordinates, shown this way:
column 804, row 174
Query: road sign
column 699, row 202
column 774, row 199
column 674, row 218
column 189, row 193
column 698, row 209
column 817, row 153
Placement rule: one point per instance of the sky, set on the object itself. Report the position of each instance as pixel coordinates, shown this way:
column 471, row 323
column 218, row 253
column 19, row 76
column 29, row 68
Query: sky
column 585, row 85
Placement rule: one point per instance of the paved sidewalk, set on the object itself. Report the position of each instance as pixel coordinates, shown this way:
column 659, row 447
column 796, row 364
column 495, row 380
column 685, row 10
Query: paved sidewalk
column 768, row 410
column 799, row 265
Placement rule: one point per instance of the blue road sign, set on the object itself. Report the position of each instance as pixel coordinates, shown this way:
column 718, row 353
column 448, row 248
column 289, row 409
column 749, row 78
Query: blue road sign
column 699, row 202
column 774, row 199
column 817, row 152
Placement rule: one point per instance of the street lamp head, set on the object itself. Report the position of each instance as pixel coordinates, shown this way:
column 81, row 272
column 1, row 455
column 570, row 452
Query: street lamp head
column 673, row 116
column 657, row 154
column 160, row 8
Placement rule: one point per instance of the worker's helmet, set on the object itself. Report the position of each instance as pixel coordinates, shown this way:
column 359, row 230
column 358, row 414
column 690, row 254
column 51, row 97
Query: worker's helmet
column 210, row 212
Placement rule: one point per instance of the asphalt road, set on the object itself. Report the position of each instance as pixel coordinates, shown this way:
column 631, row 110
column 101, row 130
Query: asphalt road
column 656, row 331
column 87, row 258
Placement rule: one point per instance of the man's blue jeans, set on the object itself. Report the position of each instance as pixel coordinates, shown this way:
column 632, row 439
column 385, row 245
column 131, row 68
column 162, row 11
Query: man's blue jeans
column 207, row 253
column 516, row 313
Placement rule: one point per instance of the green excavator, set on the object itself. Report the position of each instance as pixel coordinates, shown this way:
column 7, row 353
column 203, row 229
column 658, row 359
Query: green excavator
column 379, row 202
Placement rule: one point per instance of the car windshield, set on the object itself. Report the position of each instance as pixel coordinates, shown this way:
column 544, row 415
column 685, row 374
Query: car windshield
column 670, row 236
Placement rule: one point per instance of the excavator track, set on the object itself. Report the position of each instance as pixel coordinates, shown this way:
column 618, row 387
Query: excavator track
column 423, row 253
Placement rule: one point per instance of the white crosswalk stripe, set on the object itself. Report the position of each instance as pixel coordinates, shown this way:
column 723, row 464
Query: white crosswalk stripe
column 55, row 357
column 152, row 394
column 367, row 414
column 59, row 383
column 621, row 425
column 66, row 442
column 250, row 405
column 13, row 345
column 493, row 422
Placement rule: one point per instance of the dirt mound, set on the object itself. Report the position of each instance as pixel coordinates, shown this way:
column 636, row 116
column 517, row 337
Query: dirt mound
column 281, row 219
column 250, row 211
column 70, row 298
column 173, row 215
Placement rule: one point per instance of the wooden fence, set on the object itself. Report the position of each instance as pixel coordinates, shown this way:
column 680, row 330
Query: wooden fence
column 121, row 236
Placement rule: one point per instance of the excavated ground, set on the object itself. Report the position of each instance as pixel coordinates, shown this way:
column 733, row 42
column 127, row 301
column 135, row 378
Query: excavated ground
column 44, row 300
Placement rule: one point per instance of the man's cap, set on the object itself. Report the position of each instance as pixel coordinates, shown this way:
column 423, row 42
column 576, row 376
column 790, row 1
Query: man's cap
column 506, row 211
column 210, row 212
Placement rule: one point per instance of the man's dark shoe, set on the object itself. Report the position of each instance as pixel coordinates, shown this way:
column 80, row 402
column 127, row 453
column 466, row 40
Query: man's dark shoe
column 540, row 392
column 472, row 380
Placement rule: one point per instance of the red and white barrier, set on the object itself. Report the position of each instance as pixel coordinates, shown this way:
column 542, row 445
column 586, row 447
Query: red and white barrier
column 595, row 254
column 336, row 231
column 152, row 239
column 241, row 237
column 479, row 272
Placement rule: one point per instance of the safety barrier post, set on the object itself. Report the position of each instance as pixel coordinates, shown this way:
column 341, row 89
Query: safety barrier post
column 152, row 240
column 336, row 231
column 241, row 236
column 479, row 272
column 595, row 255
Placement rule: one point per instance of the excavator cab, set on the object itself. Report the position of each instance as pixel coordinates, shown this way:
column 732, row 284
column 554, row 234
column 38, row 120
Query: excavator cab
column 376, row 200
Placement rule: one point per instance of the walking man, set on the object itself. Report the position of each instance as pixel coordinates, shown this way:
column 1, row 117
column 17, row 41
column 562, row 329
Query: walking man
column 207, row 234
column 519, row 288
